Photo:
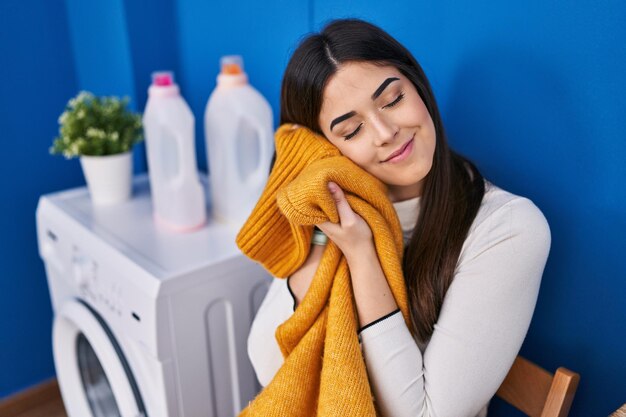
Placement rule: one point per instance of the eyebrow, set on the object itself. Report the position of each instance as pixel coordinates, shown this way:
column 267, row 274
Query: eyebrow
column 376, row 94
column 384, row 85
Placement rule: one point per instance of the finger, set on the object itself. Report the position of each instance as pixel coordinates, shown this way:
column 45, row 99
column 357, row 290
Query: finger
column 329, row 228
column 346, row 215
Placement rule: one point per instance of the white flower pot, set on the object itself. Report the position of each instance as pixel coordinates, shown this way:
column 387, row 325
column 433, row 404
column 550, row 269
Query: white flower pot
column 108, row 178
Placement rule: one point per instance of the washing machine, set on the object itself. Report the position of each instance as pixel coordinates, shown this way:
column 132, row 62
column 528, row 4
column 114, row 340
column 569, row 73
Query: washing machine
column 147, row 322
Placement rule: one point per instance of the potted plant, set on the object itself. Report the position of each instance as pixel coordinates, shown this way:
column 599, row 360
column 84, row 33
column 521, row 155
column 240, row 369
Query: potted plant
column 102, row 132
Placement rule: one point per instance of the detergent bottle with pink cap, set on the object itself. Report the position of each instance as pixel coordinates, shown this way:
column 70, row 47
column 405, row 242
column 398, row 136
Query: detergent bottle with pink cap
column 178, row 196
column 239, row 134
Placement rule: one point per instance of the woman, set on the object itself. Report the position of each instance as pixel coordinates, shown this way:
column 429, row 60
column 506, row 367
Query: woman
column 474, row 253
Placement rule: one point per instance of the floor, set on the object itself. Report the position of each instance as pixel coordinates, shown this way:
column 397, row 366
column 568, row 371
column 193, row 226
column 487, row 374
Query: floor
column 42, row 400
column 52, row 408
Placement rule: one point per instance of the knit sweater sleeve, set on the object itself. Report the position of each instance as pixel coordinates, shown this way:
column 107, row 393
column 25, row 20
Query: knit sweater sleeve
column 481, row 326
column 263, row 349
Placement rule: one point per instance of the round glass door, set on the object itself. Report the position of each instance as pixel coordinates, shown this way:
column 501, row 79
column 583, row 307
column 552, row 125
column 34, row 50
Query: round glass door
column 93, row 374
column 95, row 382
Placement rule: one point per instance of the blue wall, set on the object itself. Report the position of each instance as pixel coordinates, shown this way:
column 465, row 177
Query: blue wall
column 37, row 77
column 252, row 29
column 533, row 92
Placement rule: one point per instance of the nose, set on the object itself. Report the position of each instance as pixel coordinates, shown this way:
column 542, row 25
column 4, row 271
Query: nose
column 384, row 129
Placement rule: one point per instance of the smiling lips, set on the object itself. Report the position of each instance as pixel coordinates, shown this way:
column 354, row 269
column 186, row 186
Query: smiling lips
column 402, row 153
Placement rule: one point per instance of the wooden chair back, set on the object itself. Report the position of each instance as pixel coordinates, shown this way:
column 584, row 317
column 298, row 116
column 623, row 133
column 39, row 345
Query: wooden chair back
column 536, row 392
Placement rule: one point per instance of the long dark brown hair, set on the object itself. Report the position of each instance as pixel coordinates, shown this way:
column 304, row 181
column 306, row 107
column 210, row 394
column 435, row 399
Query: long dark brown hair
column 453, row 189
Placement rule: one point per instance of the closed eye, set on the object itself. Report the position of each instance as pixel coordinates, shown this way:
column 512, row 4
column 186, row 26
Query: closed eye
column 393, row 103
column 351, row 135
column 396, row 101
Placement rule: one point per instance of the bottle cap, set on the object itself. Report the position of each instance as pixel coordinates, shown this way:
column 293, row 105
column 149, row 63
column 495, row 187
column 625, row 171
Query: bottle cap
column 163, row 85
column 231, row 64
column 232, row 73
column 163, row 78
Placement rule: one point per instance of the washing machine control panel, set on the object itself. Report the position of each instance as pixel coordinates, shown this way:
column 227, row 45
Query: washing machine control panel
column 107, row 294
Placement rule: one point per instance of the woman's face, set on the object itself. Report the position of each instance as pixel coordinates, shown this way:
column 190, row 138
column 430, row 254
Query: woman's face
column 374, row 116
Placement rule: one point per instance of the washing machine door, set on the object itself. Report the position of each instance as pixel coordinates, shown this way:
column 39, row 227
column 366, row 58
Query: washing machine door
column 93, row 374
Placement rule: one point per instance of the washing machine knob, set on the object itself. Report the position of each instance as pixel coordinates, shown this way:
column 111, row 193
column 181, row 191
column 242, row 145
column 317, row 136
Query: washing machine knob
column 84, row 271
column 79, row 277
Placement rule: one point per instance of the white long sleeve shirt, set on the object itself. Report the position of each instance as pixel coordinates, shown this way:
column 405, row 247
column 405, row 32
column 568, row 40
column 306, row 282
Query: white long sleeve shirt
column 483, row 321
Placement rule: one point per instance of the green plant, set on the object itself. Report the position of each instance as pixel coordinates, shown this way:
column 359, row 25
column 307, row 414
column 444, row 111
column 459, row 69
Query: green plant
column 96, row 126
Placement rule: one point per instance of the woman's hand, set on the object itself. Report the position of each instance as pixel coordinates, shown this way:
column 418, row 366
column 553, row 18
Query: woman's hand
column 352, row 234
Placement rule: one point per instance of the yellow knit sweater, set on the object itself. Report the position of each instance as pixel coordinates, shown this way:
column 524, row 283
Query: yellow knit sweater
column 323, row 373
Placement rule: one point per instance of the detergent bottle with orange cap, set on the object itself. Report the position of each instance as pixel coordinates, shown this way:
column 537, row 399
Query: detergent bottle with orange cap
column 239, row 134
column 178, row 199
